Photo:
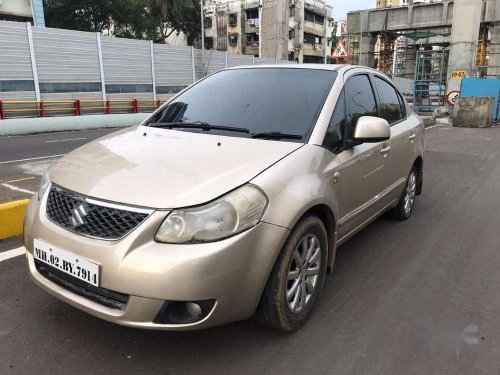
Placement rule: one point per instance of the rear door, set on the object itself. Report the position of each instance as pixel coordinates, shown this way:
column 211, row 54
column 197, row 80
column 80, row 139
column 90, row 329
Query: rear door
column 402, row 146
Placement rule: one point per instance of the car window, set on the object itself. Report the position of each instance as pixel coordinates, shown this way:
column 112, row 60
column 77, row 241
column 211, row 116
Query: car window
column 359, row 99
column 336, row 128
column 286, row 100
column 390, row 106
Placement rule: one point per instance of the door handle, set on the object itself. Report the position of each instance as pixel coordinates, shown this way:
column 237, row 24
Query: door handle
column 412, row 137
column 384, row 151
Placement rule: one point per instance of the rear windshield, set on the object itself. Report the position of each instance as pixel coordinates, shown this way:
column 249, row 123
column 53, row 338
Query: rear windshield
column 286, row 100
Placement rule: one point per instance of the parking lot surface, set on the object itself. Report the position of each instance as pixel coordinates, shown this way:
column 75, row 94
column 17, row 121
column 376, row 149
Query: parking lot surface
column 24, row 158
column 413, row 297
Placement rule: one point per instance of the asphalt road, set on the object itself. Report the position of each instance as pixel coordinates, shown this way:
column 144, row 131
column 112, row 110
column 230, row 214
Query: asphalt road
column 23, row 159
column 396, row 286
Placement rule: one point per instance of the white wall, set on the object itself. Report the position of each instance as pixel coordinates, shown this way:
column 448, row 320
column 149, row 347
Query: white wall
column 66, row 66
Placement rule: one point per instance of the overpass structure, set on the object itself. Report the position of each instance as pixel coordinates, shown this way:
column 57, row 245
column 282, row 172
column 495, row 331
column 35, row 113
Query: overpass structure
column 435, row 44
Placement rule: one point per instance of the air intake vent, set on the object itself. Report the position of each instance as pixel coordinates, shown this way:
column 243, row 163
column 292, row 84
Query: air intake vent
column 102, row 296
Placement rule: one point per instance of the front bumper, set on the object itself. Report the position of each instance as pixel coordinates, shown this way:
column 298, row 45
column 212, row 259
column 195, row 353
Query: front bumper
column 233, row 272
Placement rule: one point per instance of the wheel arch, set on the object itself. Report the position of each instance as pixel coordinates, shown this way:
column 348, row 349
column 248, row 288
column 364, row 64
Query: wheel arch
column 419, row 164
column 326, row 215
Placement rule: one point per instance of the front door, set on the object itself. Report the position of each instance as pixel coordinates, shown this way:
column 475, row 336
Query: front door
column 362, row 173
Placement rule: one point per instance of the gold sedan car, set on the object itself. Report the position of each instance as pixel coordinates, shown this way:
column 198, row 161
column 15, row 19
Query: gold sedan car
column 227, row 202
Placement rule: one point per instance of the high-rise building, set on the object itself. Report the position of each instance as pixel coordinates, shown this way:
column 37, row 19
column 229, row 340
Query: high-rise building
column 236, row 26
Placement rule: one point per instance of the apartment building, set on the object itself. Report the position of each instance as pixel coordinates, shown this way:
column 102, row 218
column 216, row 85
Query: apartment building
column 310, row 31
column 235, row 26
column 22, row 10
column 401, row 3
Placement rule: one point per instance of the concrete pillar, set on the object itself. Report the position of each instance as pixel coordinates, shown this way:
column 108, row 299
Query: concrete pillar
column 410, row 15
column 367, row 50
column 494, row 51
column 444, row 18
column 274, row 26
column 465, row 34
column 299, row 31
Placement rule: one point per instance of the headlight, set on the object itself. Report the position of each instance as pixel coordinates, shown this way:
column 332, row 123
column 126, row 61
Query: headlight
column 225, row 217
column 44, row 184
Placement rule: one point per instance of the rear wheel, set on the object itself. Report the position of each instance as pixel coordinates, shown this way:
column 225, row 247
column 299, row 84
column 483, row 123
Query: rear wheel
column 296, row 279
column 405, row 205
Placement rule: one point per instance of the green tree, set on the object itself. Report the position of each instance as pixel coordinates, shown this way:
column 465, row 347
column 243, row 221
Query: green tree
column 84, row 15
column 179, row 16
column 135, row 19
column 139, row 19
column 335, row 39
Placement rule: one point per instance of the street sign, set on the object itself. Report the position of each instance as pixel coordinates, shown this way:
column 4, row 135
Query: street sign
column 340, row 51
column 452, row 96
column 458, row 74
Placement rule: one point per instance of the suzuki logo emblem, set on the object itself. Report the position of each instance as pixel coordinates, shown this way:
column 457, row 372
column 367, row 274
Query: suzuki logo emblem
column 77, row 215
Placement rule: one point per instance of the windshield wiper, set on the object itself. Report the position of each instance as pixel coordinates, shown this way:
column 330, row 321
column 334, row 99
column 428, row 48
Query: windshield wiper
column 275, row 135
column 197, row 125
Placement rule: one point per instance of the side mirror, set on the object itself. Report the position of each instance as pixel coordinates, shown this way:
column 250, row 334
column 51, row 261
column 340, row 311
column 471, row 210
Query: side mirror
column 371, row 129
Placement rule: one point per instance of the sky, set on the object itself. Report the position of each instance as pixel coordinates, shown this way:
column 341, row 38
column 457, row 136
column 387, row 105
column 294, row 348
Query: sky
column 341, row 7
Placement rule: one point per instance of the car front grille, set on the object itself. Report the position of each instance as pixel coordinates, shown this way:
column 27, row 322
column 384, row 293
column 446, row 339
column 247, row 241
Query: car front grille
column 90, row 217
column 102, row 296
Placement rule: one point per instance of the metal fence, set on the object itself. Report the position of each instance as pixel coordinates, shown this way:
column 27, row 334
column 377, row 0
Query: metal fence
column 58, row 67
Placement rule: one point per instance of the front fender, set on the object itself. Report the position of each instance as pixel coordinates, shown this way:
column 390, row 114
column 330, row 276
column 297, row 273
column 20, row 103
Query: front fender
column 297, row 183
column 300, row 183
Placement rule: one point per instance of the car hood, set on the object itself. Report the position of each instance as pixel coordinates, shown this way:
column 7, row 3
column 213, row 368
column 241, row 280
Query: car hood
column 162, row 168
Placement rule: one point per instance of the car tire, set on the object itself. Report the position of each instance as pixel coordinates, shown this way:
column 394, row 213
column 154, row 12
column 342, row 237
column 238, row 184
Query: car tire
column 297, row 270
column 405, row 205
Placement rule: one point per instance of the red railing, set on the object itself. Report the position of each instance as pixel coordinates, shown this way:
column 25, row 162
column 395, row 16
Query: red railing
column 76, row 107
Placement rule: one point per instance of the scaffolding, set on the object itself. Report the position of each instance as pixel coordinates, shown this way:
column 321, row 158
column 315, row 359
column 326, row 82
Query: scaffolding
column 483, row 44
column 386, row 54
column 430, row 80
column 404, row 58
column 386, row 50
column 352, row 44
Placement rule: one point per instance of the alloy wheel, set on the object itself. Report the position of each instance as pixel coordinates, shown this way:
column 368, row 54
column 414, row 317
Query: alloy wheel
column 410, row 191
column 303, row 273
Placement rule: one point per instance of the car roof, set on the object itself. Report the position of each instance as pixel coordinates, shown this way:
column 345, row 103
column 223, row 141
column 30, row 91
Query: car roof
column 332, row 67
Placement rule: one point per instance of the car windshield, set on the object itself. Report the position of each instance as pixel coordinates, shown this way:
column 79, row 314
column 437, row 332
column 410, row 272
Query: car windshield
column 266, row 103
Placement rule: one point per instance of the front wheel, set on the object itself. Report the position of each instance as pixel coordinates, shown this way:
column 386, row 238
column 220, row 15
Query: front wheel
column 405, row 205
column 296, row 279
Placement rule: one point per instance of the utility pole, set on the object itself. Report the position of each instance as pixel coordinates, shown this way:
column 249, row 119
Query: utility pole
column 260, row 28
column 202, row 29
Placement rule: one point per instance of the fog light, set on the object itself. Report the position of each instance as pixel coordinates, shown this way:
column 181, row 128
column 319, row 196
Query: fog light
column 183, row 312
column 194, row 309
column 180, row 313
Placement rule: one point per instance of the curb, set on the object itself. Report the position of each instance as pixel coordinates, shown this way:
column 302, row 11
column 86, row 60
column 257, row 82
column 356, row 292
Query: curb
column 428, row 121
column 12, row 217
column 30, row 125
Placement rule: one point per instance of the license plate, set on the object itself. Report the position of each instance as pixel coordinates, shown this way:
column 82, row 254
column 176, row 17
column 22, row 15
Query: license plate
column 67, row 262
